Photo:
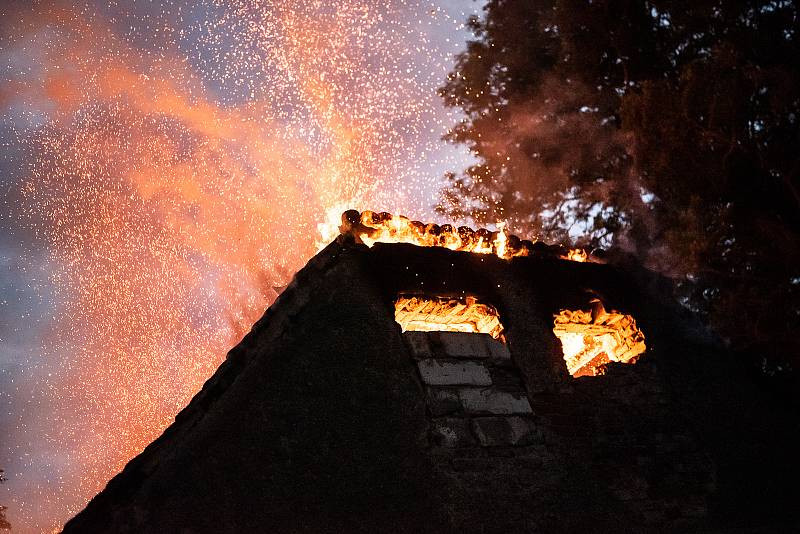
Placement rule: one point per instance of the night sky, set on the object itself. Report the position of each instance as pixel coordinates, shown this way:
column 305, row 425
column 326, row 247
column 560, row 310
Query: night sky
column 164, row 167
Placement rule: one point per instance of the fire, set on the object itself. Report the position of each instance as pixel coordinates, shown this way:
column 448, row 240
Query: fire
column 369, row 227
column 577, row 254
column 591, row 339
column 446, row 314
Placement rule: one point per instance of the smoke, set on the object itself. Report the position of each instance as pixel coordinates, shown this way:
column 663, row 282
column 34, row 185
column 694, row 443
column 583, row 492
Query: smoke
column 564, row 149
column 557, row 167
column 552, row 133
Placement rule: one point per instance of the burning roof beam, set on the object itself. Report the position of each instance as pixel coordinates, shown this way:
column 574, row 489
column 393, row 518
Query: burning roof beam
column 369, row 227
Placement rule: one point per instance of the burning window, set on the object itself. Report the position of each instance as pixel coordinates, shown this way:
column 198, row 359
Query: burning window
column 591, row 339
column 447, row 314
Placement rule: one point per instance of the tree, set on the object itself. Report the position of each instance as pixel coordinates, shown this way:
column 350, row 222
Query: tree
column 667, row 128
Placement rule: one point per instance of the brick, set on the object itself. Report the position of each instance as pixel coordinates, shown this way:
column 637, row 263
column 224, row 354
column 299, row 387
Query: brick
column 463, row 345
column 500, row 431
column 451, row 432
column 497, row 349
column 419, row 344
column 442, row 401
column 488, row 400
column 444, row 373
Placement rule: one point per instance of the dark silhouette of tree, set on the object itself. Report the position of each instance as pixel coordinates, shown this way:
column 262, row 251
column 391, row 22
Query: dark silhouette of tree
column 669, row 129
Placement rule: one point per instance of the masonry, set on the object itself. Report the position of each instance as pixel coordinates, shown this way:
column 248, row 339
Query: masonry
column 475, row 396
column 328, row 418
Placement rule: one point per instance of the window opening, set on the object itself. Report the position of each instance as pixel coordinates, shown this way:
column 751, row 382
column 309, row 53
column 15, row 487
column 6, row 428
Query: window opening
column 592, row 338
column 447, row 314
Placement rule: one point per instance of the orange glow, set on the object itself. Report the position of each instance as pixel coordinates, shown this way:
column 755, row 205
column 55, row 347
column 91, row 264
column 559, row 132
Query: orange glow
column 445, row 314
column 369, row 227
column 591, row 339
column 576, row 254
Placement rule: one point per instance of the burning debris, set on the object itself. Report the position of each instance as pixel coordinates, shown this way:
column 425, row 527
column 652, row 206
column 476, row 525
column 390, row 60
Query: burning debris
column 369, row 227
column 591, row 339
column 446, row 314
column 577, row 254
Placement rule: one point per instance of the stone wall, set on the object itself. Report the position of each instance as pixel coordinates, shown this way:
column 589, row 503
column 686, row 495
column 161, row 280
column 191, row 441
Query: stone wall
column 474, row 394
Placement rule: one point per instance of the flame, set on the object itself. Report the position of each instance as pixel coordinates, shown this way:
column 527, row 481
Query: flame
column 329, row 229
column 577, row 254
column 372, row 227
column 501, row 241
column 369, row 227
column 591, row 339
column 444, row 314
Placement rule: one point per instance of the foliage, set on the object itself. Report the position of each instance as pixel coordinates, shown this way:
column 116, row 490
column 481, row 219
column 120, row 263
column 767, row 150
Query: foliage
column 667, row 128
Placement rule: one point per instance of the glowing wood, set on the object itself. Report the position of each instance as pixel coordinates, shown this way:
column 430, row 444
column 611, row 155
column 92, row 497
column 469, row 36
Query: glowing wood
column 447, row 315
column 369, row 227
column 590, row 339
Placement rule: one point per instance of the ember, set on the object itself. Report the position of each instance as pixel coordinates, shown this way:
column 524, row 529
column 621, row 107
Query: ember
column 446, row 314
column 369, row 227
column 591, row 339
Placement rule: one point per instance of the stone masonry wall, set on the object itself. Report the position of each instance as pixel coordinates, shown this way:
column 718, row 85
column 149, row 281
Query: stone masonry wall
column 483, row 439
column 474, row 394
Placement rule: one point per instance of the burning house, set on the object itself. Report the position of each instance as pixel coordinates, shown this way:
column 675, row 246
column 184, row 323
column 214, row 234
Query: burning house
column 460, row 381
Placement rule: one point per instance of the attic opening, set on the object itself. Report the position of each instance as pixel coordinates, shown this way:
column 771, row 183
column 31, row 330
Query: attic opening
column 592, row 338
column 447, row 314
